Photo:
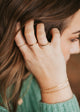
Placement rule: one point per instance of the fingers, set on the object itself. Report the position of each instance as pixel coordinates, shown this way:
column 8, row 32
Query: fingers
column 29, row 32
column 19, row 39
column 31, row 40
column 55, row 38
column 41, row 35
column 20, row 42
column 30, row 36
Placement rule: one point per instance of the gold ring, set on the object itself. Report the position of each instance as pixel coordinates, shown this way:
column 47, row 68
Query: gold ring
column 39, row 44
column 21, row 45
column 32, row 44
column 45, row 44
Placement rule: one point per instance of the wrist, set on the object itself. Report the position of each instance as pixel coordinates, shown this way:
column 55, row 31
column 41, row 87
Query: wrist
column 49, row 82
column 58, row 96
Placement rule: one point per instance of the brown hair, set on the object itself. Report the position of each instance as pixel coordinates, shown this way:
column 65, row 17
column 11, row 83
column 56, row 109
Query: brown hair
column 52, row 13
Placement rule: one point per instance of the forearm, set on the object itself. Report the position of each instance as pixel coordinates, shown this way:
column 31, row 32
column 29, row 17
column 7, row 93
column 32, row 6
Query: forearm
column 58, row 96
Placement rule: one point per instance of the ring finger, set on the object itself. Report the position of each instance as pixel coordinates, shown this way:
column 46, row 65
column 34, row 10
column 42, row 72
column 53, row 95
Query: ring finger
column 41, row 35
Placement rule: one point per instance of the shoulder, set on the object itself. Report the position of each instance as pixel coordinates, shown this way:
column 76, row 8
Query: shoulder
column 0, row 99
column 2, row 108
column 30, row 85
column 30, row 95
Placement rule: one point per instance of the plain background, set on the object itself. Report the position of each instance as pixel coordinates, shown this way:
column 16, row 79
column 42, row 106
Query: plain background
column 73, row 70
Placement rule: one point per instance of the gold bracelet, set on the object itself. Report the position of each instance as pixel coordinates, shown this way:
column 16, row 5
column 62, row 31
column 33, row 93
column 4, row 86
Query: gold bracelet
column 56, row 89
column 54, row 86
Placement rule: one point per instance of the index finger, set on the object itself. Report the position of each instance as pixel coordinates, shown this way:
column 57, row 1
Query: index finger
column 19, row 38
column 21, row 43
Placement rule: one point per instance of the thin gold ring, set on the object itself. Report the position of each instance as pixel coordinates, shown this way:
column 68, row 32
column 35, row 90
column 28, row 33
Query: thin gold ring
column 34, row 44
column 45, row 44
column 39, row 44
column 21, row 45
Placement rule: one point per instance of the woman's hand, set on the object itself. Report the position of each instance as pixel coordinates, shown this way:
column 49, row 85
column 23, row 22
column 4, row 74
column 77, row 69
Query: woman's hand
column 47, row 62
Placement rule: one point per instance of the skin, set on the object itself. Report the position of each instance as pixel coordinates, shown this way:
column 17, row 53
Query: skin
column 68, row 47
column 48, row 63
column 59, row 48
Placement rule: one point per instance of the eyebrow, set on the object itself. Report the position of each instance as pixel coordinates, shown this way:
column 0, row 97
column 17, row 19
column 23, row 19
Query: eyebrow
column 76, row 32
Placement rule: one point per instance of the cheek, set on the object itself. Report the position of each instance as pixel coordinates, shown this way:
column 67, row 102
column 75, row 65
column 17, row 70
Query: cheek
column 75, row 48
column 65, row 49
